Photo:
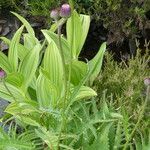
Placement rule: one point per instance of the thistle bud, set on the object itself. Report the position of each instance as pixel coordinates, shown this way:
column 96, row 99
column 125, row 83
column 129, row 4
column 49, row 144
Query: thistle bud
column 147, row 81
column 65, row 11
column 2, row 74
column 54, row 14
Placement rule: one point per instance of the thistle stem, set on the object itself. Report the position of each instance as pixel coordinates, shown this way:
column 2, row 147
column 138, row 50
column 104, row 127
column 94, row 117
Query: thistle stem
column 65, row 83
column 63, row 65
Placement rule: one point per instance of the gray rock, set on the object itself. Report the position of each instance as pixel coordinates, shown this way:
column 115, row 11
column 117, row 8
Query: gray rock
column 3, row 105
column 3, row 46
column 6, row 31
column 2, row 21
column 0, row 28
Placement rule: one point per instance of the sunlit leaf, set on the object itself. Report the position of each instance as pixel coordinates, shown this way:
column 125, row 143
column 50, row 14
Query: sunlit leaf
column 16, row 92
column 13, row 50
column 46, row 92
column 65, row 46
column 29, row 65
column 25, row 23
column 53, row 63
column 15, row 79
column 85, row 92
column 4, row 63
column 96, row 63
column 77, row 29
column 29, row 41
column 74, row 32
column 78, row 71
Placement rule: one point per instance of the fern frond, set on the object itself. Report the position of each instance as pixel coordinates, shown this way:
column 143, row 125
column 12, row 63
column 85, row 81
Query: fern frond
column 11, row 140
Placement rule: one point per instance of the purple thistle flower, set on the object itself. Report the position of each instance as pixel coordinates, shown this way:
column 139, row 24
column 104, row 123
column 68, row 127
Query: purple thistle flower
column 147, row 81
column 2, row 74
column 54, row 14
column 65, row 11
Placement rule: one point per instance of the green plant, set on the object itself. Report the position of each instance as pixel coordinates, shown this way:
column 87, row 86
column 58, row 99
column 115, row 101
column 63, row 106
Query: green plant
column 127, row 94
column 12, row 4
column 11, row 140
column 43, row 88
column 41, row 8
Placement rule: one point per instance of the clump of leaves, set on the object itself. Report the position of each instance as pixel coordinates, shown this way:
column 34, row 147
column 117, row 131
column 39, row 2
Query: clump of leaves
column 127, row 93
column 43, row 81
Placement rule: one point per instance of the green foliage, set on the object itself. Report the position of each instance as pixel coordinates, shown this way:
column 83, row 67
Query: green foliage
column 125, row 79
column 126, row 93
column 121, row 18
column 11, row 140
column 43, row 92
column 8, row 3
column 42, row 7
column 48, row 95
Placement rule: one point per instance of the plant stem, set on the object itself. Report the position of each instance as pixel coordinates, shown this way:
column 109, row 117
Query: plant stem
column 140, row 117
column 3, row 80
column 63, row 65
column 65, row 84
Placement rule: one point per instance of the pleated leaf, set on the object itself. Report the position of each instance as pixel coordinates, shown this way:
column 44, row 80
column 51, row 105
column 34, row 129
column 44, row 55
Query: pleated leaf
column 78, row 71
column 13, row 50
column 85, row 21
column 77, row 30
column 96, row 63
column 85, row 92
column 15, row 79
column 53, row 63
column 29, row 41
column 16, row 108
column 46, row 92
column 25, row 23
column 4, row 63
column 22, row 51
column 65, row 45
column 74, row 32
column 5, row 94
column 29, row 65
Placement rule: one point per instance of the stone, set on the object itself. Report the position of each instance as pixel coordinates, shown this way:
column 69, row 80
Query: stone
column 3, row 105
column 6, row 31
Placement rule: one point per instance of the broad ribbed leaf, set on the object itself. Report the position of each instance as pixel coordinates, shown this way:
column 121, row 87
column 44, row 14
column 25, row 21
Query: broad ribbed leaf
column 55, row 25
column 25, row 23
column 5, row 94
column 46, row 92
column 4, row 63
column 13, row 50
column 77, row 29
column 78, row 71
column 7, row 41
column 29, row 41
column 65, row 46
column 15, row 79
column 48, row 136
column 29, row 65
column 96, row 63
column 74, row 32
column 85, row 92
column 53, row 63
column 22, row 51
column 85, row 20
column 16, row 108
